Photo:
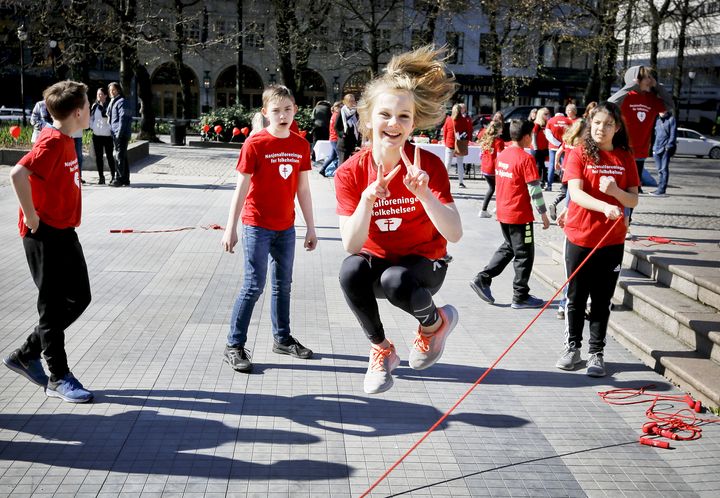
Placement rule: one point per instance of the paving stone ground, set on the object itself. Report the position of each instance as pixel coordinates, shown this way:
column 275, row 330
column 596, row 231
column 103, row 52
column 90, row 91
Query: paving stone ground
column 171, row 419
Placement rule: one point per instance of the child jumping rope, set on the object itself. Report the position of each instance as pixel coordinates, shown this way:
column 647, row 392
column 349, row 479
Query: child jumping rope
column 491, row 144
column 396, row 215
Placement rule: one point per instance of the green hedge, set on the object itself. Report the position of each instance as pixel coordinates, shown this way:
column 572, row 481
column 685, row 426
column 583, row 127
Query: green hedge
column 240, row 117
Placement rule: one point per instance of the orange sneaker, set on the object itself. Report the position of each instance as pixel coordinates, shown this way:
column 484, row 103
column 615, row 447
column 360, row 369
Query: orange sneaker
column 426, row 350
column 378, row 377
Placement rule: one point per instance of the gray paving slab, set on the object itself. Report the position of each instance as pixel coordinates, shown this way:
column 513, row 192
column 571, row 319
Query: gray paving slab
column 171, row 419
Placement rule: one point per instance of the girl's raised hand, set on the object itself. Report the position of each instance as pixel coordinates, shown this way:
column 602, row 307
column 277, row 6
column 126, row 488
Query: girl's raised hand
column 379, row 188
column 416, row 180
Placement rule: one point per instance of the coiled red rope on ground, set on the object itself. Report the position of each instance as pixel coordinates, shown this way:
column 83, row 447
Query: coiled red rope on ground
column 212, row 226
column 489, row 369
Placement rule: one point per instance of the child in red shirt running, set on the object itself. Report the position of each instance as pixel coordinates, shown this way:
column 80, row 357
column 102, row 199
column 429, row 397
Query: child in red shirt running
column 491, row 145
column 602, row 180
column 47, row 184
column 272, row 169
column 518, row 188
column 396, row 215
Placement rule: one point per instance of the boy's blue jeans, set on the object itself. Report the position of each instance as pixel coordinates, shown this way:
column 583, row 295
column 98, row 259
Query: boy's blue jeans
column 261, row 246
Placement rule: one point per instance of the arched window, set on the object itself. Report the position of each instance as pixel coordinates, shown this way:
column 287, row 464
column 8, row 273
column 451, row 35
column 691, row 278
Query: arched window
column 355, row 84
column 167, row 95
column 252, row 87
column 315, row 88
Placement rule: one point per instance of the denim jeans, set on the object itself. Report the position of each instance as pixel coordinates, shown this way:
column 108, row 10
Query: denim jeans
column 551, row 168
column 662, row 160
column 333, row 155
column 261, row 246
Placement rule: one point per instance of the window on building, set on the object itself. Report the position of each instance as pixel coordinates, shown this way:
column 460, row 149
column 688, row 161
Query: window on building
column 485, row 49
column 254, row 35
column 420, row 37
column 193, row 30
column 352, row 39
column 454, row 42
column 520, row 55
column 383, row 39
column 222, row 28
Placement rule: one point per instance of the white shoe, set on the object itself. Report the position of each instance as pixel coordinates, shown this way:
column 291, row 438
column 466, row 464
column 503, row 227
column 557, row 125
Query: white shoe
column 427, row 350
column 382, row 362
column 484, row 214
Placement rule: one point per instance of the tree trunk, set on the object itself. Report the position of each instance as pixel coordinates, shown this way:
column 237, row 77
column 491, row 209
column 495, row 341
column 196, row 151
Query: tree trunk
column 145, row 96
column 239, row 62
column 680, row 60
column 592, row 90
column 609, row 73
column 495, row 58
column 626, row 42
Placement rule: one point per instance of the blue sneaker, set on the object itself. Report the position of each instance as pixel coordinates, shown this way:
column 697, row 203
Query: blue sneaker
column 68, row 389
column 529, row 302
column 482, row 290
column 32, row 370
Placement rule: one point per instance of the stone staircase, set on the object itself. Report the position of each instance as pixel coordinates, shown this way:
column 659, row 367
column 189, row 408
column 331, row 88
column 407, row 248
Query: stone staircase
column 666, row 310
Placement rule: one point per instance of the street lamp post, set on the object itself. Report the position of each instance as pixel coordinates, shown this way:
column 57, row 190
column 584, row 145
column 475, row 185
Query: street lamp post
column 691, row 77
column 53, row 46
column 22, row 36
column 206, row 85
column 336, row 88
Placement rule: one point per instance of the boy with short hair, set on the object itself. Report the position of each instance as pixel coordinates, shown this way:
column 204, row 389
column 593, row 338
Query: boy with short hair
column 272, row 169
column 47, row 184
column 517, row 182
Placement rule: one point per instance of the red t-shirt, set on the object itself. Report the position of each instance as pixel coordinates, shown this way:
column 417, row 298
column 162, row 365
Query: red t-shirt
column 333, row 131
column 584, row 227
column 639, row 110
column 399, row 225
column 514, row 169
column 558, row 125
column 488, row 158
column 55, row 180
column 275, row 165
column 294, row 127
column 540, row 140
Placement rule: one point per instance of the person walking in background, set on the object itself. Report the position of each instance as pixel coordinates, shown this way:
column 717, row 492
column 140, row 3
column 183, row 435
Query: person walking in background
column 39, row 119
column 333, row 156
column 321, row 123
column 491, row 145
column 664, row 148
column 518, row 189
column 346, row 127
column 46, row 182
column 540, row 143
column 396, row 216
column 554, row 131
column 120, row 119
column 102, row 138
column 272, row 170
column 602, row 180
column 456, row 135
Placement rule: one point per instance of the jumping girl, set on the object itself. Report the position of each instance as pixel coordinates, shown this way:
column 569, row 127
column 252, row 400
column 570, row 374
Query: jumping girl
column 602, row 180
column 490, row 144
column 397, row 214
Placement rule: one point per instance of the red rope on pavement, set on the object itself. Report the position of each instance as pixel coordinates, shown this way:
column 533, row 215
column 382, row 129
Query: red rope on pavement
column 656, row 239
column 212, row 226
column 489, row 369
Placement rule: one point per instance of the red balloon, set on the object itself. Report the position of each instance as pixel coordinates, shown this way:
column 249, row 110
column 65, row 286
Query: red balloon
column 433, row 141
column 15, row 132
column 206, row 128
column 303, row 133
column 236, row 131
column 218, row 129
column 245, row 130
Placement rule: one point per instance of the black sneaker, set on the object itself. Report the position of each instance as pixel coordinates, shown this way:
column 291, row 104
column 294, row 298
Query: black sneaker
column 237, row 358
column 293, row 348
column 528, row 303
column 482, row 290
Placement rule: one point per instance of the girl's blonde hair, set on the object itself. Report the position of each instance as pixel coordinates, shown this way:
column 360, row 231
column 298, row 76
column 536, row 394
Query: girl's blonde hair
column 423, row 74
column 456, row 112
column 539, row 120
column 573, row 134
column 492, row 131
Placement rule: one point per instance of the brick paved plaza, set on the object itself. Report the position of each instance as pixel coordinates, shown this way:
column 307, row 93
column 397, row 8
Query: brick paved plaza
column 170, row 418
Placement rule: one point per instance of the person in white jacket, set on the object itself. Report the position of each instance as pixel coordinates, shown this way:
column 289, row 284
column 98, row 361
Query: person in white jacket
column 102, row 139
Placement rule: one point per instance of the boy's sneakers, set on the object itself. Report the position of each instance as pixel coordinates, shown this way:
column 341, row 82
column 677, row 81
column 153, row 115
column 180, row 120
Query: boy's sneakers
column 32, row 370
column 378, row 377
column 293, row 348
column 238, row 359
column 552, row 211
column 595, row 365
column 427, row 350
column 484, row 214
column 68, row 389
column 482, row 290
column 529, row 302
column 569, row 358
column 462, row 185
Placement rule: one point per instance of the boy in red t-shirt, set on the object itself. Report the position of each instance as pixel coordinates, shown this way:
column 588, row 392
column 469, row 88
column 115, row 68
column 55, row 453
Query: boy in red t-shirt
column 518, row 187
column 272, row 170
column 47, row 184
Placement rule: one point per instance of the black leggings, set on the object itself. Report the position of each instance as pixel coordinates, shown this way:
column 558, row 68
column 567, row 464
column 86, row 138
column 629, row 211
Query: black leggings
column 408, row 284
column 490, row 179
column 596, row 280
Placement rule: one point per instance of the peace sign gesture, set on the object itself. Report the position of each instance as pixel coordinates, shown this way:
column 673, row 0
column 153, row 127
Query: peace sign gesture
column 379, row 188
column 416, row 180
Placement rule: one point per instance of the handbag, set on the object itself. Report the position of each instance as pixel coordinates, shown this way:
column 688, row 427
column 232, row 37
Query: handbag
column 461, row 148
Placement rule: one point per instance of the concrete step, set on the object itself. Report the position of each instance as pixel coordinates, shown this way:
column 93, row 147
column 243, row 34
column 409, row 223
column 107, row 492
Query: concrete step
column 687, row 320
column 681, row 364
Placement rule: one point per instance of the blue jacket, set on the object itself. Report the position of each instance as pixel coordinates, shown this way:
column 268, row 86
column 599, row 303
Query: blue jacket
column 119, row 117
column 665, row 133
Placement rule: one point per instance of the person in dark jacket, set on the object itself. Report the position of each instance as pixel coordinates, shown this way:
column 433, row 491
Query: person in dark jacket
column 664, row 148
column 321, row 123
column 347, row 129
column 120, row 119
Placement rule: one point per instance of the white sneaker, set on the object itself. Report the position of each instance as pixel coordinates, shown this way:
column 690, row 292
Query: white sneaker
column 484, row 214
column 378, row 377
column 426, row 350
column 569, row 358
column 595, row 365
